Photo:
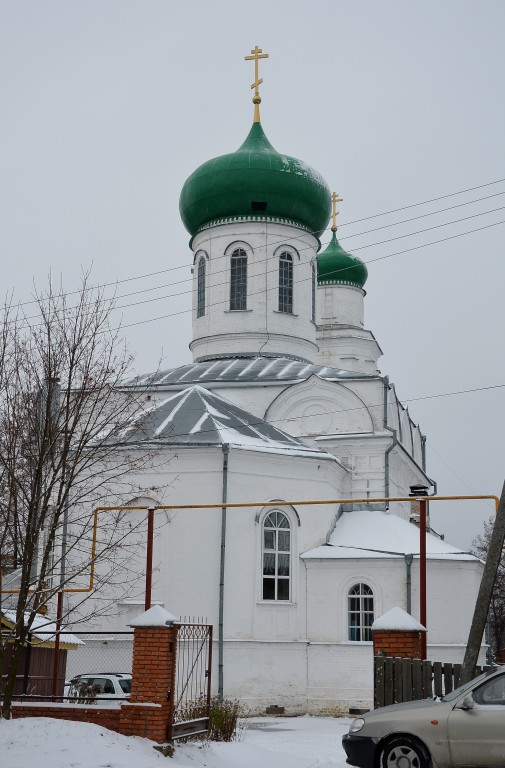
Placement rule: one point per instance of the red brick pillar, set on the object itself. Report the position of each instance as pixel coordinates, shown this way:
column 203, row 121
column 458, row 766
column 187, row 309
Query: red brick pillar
column 149, row 710
column 397, row 634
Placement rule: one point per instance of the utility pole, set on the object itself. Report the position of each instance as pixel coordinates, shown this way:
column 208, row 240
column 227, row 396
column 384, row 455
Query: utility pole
column 484, row 597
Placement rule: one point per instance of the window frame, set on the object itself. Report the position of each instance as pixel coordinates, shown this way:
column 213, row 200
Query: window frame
column 313, row 290
column 201, row 286
column 286, row 282
column 360, row 630
column 238, row 280
column 276, row 578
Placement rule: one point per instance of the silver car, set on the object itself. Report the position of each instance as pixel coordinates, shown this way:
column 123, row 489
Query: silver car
column 463, row 728
column 92, row 687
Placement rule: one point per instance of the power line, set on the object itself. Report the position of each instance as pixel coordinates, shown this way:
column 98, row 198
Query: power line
column 423, row 202
column 369, row 245
column 23, row 320
column 423, row 216
column 101, row 286
column 370, row 261
column 441, row 458
column 259, row 261
column 428, row 229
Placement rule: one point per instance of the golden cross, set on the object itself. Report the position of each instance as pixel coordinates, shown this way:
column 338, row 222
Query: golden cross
column 335, row 198
column 257, row 54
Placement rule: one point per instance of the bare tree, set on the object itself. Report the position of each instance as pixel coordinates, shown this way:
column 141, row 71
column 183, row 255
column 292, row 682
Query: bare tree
column 60, row 401
column 496, row 615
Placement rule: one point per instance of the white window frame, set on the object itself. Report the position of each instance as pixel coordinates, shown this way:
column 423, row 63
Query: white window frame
column 280, row 554
column 201, row 277
column 286, row 271
column 241, row 284
column 361, row 630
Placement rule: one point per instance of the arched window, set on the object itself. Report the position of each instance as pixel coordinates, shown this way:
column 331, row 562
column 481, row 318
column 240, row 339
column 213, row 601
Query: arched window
column 200, row 288
column 360, row 612
column 286, row 283
column 276, row 556
column 314, row 285
column 238, row 280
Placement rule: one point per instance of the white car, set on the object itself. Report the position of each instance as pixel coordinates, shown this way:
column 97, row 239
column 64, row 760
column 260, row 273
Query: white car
column 92, row 686
column 464, row 728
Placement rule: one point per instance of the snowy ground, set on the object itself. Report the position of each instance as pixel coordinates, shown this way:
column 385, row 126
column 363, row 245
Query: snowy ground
column 300, row 742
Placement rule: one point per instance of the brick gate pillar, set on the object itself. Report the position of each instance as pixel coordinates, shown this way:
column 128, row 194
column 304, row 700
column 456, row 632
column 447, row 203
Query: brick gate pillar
column 396, row 633
column 153, row 675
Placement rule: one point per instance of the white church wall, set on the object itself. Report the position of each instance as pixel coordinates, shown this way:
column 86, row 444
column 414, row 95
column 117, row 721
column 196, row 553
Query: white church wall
column 403, row 473
column 342, row 304
column 188, row 542
column 451, row 593
column 318, row 407
column 349, row 349
column 274, row 477
column 340, row 676
column 449, row 608
column 262, row 674
column 393, row 418
column 364, row 456
column 453, row 653
column 261, row 326
column 371, row 391
column 299, row 676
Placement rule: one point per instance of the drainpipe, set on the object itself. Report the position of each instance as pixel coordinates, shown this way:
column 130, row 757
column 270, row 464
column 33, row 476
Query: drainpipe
column 226, row 451
column 408, row 563
column 394, row 438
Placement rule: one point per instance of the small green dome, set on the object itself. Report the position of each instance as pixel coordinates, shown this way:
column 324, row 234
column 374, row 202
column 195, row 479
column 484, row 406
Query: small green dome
column 337, row 267
column 255, row 182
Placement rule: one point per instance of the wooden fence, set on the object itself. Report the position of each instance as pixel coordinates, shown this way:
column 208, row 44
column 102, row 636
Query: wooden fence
column 397, row 680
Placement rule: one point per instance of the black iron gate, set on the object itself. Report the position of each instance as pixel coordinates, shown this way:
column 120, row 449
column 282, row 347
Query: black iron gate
column 191, row 696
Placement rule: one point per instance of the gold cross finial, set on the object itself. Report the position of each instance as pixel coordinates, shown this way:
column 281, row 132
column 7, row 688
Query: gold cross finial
column 335, row 198
column 257, row 54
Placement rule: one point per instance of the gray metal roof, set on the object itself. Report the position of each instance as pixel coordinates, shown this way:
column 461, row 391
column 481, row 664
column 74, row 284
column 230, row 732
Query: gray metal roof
column 196, row 416
column 256, row 370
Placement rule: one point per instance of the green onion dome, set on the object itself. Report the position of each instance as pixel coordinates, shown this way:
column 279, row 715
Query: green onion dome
column 338, row 267
column 255, row 182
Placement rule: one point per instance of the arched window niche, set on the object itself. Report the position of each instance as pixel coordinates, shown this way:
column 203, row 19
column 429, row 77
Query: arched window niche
column 286, row 283
column 360, row 612
column 200, row 286
column 238, row 280
column 276, row 556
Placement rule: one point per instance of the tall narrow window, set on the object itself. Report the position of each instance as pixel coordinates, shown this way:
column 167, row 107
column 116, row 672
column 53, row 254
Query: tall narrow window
column 200, row 288
column 314, row 284
column 238, row 279
column 360, row 612
column 276, row 556
column 286, row 283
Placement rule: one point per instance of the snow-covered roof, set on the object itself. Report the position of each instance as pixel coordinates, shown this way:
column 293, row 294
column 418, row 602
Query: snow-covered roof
column 374, row 533
column 398, row 620
column 196, row 416
column 248, row 370
column 157, row 616
column 12, row 578
column 44, row 631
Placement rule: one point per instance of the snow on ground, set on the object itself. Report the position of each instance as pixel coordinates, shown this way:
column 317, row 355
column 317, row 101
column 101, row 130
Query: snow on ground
column 298, row 742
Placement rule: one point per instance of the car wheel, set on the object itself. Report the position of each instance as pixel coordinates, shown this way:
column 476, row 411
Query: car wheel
column 404, row 752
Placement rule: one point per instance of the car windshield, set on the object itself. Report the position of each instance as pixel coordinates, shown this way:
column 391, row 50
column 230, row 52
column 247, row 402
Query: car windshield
column 126, row 685
column 465, row 687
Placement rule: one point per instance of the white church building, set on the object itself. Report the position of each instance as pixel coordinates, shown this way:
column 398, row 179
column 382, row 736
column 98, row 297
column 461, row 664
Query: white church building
column 284, row 402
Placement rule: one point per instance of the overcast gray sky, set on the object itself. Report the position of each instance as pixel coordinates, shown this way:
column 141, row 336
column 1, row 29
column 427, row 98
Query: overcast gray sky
column 108, row 105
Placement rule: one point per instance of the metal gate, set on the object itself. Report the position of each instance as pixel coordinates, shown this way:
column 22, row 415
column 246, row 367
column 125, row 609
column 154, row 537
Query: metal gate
column 191, row 699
